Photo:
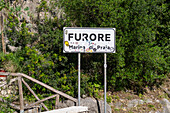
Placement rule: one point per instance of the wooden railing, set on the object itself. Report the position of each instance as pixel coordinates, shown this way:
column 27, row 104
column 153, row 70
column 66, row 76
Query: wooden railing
column 20, row 79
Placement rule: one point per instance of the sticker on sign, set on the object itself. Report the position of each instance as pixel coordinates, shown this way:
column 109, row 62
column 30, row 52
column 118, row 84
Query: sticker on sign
column 89, row 40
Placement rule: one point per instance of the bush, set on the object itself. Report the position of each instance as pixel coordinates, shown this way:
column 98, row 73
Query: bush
column 5, row 107
column 10, row 62
column 138, row 61
column 141, row 58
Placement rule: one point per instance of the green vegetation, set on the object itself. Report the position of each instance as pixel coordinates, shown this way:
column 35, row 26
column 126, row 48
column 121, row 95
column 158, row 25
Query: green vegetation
column 142, row 45
column 4, row 107
column 109, row 99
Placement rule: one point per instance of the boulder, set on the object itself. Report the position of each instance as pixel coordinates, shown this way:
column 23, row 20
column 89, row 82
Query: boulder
column 94, row 105
column 134, row 103
column 69, row 103
column 166, row 105
column 91, row 104
column 101, row 106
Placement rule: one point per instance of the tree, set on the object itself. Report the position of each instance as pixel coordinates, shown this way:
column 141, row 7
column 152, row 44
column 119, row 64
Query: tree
column 141, row 56
column 139, row 61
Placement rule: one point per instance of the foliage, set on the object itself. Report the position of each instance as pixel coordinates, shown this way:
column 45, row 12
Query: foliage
column 109, row 99
column 41, row 54
column 139, row 60
column 2, row 4
column 4, row 107
column 142, row 49
column 10, row 62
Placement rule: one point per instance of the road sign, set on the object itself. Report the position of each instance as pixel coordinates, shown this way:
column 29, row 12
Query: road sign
column 89, row 40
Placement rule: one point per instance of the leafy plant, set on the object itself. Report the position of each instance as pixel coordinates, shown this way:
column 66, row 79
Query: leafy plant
column 109, row 99
column 138, row 61
column 142, row 49
column 5, row 107
column 10, row 62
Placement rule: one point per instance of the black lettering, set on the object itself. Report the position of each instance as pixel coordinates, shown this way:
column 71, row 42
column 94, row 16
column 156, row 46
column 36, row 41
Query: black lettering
column 94, row 49
column 107, row 37
column 70, row 46
column 98, row 47
column 100, row 36
column 70, row 36
column 94, row 37
column 77, row 38
column 91, row 47
column 85, row 36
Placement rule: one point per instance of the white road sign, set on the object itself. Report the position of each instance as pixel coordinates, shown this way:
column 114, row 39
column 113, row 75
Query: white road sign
column 89, row 40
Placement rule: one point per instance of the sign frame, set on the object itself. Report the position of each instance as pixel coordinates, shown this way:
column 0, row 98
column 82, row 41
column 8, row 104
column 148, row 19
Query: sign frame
column 89, row 28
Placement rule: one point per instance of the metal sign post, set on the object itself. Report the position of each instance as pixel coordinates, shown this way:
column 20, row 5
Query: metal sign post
column 105, row 84
column 78, row 79
column 89, row 40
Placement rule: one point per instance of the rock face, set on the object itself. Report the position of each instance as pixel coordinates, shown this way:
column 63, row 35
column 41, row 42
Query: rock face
column 90, row 103
column 101, row 106
column 34, row 110
column 94, row 105
column 134, row 103
column 7, row 89
column 29, row 11
column 166, row 105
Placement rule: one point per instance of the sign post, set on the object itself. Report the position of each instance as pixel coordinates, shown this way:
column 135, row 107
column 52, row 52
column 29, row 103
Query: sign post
column 79, row 57
column 105, row 84
column 89, row 40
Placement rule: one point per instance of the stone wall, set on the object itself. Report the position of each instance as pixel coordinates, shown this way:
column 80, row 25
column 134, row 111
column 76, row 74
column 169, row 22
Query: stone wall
column 8, row 88
column 29, row 13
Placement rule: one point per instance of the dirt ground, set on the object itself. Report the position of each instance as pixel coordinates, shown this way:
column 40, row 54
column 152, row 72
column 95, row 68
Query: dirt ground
column 120, row 100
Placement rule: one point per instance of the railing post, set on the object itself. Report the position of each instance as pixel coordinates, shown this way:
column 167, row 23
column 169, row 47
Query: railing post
column 34, row 94
column 57, row 101
column 21, row 95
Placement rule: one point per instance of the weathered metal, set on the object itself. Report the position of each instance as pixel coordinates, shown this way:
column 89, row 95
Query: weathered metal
column 40, row 101
column 19, row 77
column 79, row 78
column 105, row 83
column 49, row 87
column 57, row 101
column 21, row 100
column 34, row 94
column 2, row 34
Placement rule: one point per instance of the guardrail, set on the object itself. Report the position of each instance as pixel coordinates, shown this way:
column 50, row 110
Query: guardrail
column 20, row 79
